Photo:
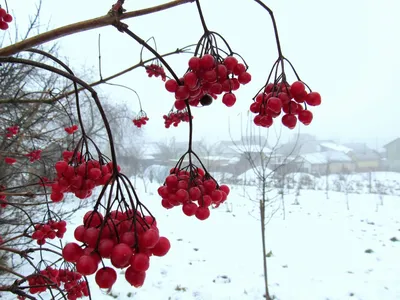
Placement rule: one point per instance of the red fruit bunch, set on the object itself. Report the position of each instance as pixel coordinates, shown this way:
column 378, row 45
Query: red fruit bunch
column 292, row 100
column 34, row 155
column 11, row 131
column 156, row 71
column 194, row 190
column 140, row 121
column 10, row 160
column 128, row 239
column 79, row 176
column 5, row 18
column 74, row 285
column 174, row 118
column 50, row 230
column 206, row 78
column 3, row 200
column 72, row 129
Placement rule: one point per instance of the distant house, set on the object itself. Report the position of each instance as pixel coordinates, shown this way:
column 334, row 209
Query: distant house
column 364, row 157
column 393, row 155
column 327, row 162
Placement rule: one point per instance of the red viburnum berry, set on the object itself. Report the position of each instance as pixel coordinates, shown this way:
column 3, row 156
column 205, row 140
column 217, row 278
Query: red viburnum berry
column 106, row 277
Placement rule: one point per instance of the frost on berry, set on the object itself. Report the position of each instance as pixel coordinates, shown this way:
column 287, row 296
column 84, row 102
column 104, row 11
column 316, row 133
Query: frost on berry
column 280, row 98
column 192, row 188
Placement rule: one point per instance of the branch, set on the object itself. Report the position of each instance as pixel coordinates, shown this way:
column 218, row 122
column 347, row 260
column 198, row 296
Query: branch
column 104, row 80
column 106, row 20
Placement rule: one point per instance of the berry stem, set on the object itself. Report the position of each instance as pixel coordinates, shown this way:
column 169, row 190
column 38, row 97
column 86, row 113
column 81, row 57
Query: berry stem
column 278, row 44
column 203, row 22
column 148, row 47
column 190, row 129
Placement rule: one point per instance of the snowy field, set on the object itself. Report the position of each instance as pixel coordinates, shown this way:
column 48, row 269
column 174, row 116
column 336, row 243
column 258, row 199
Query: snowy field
column 320, row 251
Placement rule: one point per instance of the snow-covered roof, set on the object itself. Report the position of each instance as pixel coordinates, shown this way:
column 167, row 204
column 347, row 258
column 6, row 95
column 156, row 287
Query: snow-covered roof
column 251, row 148
column 216, row 158
column 325, row 157
column 336, row 147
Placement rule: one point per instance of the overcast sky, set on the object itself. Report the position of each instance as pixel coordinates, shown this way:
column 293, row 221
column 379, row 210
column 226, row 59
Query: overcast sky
column 348, row 51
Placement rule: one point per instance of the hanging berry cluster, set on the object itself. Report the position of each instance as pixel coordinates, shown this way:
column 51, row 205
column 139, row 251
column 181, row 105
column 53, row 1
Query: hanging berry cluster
column 34, row 155
column 176, row 117
column 127, row 238
column 78, row 175
column 49, row 230
column 156, row 71
column 279, row 96
column 192, row 188
column 72, row 129
column 140, row 119
column 5, row 18
column 207, row 76
column 71, row 283
column 12, row 131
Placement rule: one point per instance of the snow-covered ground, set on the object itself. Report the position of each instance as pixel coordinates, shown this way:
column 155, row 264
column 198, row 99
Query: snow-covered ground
column 320, row 250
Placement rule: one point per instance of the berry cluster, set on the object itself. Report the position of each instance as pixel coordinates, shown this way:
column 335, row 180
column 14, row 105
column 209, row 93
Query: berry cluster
column 71, row 129
column 287, row 98
column 128, row 239
column 10, row 160
column 80, row 177
column 140, row 121
column 74, row 286
column 11, row 131
column 3, row 200
column 194, row 190
column 156, row 71
column 174, row 118
column 50, row 230
column 34, row 155
column 5, row 18
column 207, row 77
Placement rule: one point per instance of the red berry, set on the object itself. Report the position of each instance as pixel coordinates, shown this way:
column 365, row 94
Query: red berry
column 149, row 238
column 134, row 278
column 106, row 277
column 3, row 25
column 229, row 99
column 190, row 80
column 162, row 247
column 7, row 18
column 297, row 88
column 86, row 265
column 171, row 85
column 244, row 78
column 274, row 104
column 72, row 252
column 194, row 63
column 230, row 62
column 289, row 120
column 305, row 117
column 120, row 255
column 207, row 61
column 140, row 262
column 313, row 99
column 189, row 208
column 202, row 213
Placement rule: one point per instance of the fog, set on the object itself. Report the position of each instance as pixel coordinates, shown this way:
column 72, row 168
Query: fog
column 345, row 50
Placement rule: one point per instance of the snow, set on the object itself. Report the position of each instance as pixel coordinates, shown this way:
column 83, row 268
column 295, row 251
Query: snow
column 318, row 251
column 336, row 147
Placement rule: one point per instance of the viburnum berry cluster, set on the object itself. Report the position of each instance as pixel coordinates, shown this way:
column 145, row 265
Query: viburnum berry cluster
column 10, row 160
column 128, row 239
column 3, row 198
column 156, row 71
column 207, row 77
column 5, row 18
column 80, row 176
column 71, row 282
column 140, row 119
column 292, row 100
column 194, row 189
column 11, row 131
column 50, row 230
column 176, row 117
column 72, row 129
column 34, row 155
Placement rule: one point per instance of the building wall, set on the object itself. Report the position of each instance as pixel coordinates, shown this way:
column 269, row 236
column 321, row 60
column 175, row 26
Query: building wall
column 368, row 165
column 393, row 151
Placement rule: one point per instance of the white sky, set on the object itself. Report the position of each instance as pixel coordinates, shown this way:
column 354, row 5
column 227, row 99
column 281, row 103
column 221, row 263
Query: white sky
column 346, row 50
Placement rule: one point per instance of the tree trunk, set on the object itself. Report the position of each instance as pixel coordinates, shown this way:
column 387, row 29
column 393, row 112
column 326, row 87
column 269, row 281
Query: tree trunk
column 264, row 250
